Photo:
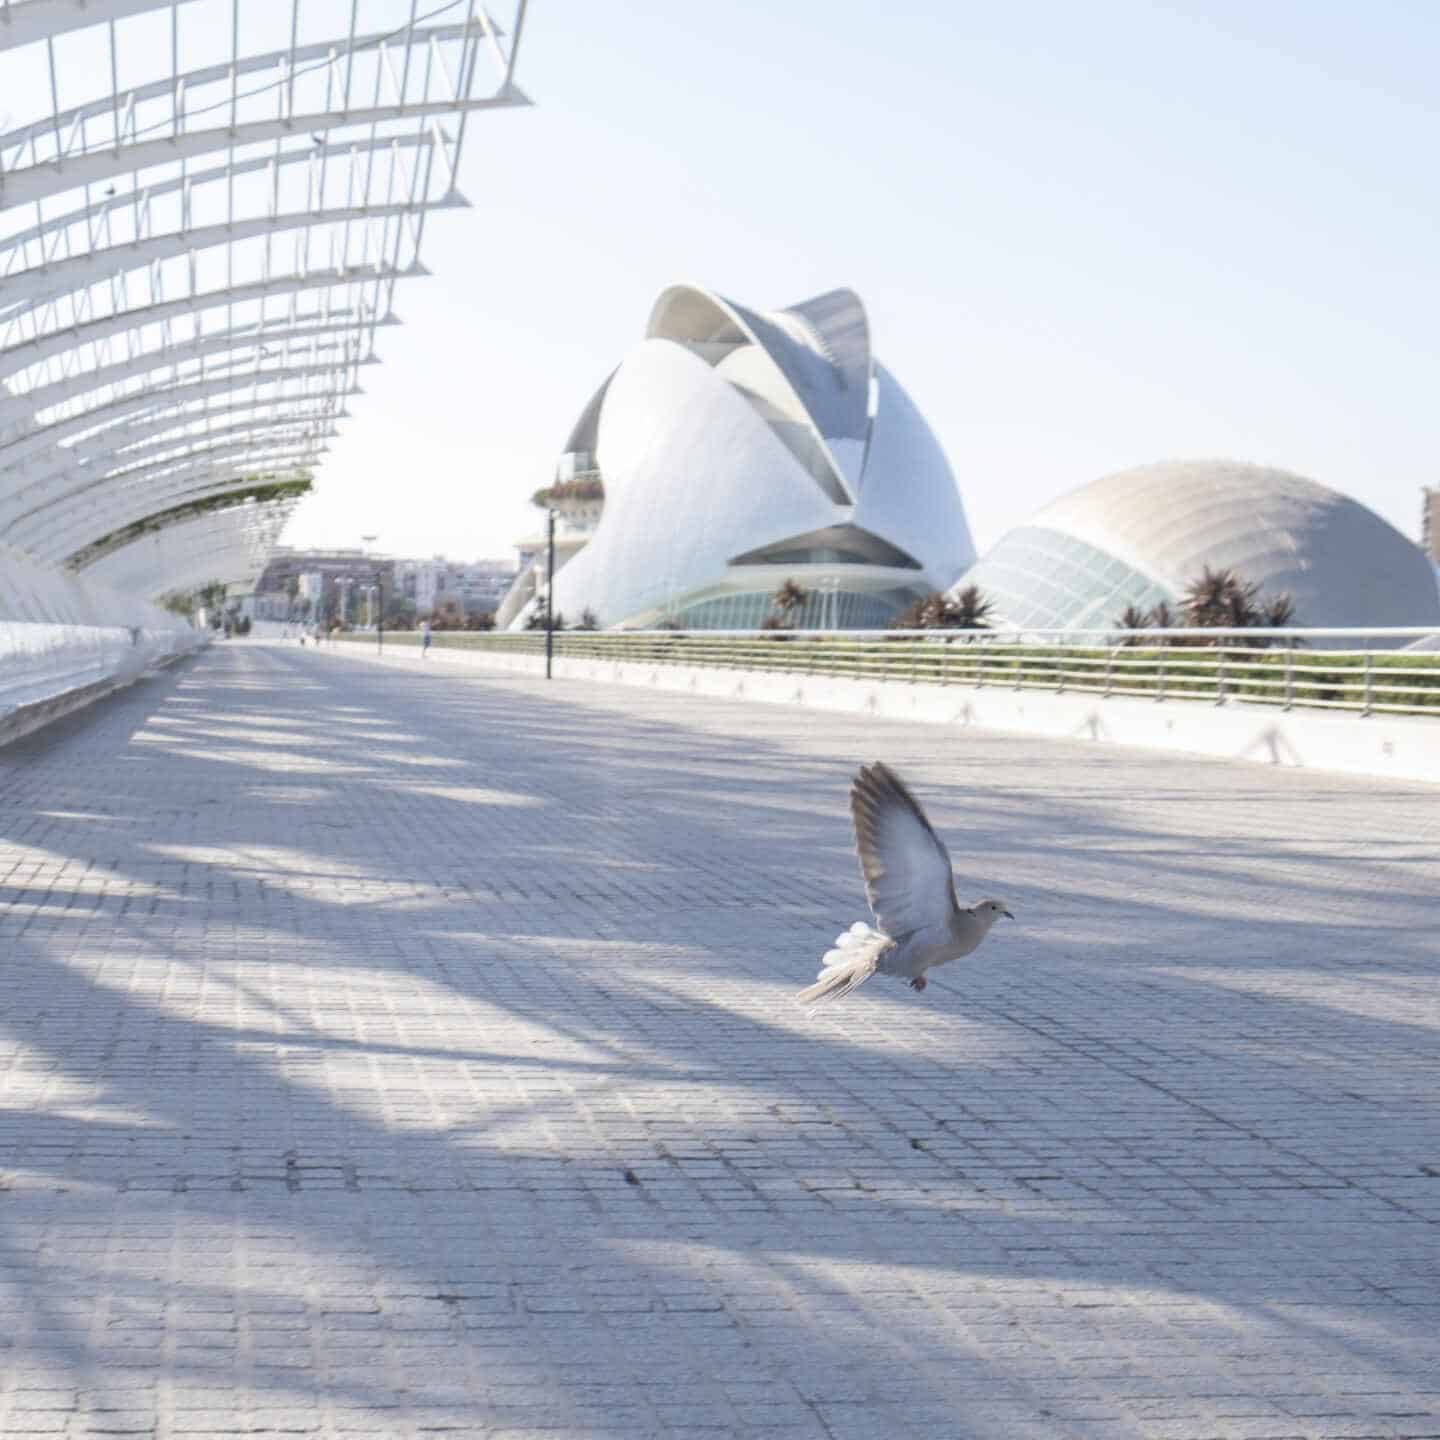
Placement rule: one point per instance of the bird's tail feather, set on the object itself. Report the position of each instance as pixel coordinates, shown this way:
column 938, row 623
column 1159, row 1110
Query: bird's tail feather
column 850, row 962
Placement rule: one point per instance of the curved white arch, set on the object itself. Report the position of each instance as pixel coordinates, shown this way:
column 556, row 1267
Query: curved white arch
column 164, row 432
column 117, row 391
column 40, row 182
column 68, row 535
column 93, row 491
column 230, row 545
column 31, row 352
column 31, row 20
column 291, row 56
column 238, row 341
column 50, row 227
column 819, row 364
column 59, row 277
column 155, row 459
column 162, row 403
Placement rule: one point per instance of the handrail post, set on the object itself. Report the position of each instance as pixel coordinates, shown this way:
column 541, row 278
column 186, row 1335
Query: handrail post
column 1369, row 685
column 1109, row 670
column 1220, row 675
column 1160, row 676
column 1290, row 676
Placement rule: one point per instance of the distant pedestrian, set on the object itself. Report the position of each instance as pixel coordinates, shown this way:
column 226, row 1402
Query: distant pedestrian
column 424, row 639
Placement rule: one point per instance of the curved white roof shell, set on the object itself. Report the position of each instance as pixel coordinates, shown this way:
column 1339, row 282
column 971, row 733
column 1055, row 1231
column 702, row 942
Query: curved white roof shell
column 1142, row 535
column 205, row 207
column 739, row 448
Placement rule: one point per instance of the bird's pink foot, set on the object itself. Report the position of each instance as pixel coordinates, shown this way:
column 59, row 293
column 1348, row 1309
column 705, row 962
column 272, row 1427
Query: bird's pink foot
column 918, row 983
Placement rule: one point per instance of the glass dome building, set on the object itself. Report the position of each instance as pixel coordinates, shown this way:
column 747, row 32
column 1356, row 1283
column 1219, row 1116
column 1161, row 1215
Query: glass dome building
column 1141, row 536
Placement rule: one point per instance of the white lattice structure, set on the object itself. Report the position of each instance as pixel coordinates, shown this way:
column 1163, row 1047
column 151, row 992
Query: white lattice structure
column 205, row 206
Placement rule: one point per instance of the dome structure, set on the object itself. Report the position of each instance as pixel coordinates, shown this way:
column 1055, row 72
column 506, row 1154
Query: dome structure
column 1141, row 536
column 740, row 449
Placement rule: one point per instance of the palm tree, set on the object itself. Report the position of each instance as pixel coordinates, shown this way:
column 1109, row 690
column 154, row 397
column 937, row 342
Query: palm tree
column 588, row 620
column 1207, row 598
column 1277, row 611
column 970, row 610
column 935, row 611
column 538, row 618
column 1220, row 598
column 1132, row 617
column 1161, row 616
column 789, row 600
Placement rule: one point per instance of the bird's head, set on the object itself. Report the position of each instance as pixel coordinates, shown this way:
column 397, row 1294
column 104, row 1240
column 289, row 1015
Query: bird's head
column 991, row 910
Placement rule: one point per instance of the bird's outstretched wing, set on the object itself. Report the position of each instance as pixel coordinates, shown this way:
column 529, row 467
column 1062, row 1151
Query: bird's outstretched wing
column 908, row 881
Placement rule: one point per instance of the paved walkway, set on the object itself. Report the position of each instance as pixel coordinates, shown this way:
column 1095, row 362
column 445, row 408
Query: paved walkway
column 390, row 1053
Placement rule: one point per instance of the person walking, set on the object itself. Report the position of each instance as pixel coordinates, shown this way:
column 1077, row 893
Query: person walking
column 424, row 639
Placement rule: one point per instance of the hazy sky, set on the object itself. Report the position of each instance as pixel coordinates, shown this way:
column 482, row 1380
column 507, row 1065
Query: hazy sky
column 1088, row 236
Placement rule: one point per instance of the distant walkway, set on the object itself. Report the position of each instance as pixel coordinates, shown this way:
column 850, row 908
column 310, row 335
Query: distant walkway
column 389, row 1053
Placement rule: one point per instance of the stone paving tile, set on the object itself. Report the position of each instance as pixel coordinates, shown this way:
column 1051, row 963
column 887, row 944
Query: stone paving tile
column 392, row 1053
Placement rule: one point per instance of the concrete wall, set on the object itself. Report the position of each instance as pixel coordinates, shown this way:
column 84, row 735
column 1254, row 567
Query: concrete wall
column 1399, row 748
column 48, row 670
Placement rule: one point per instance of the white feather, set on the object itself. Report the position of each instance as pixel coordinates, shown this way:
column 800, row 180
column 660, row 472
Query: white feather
column 850, row 963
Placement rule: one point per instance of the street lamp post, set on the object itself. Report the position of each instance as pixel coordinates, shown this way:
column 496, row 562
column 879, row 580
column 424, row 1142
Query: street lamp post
column 379, row 598
column 550, row 597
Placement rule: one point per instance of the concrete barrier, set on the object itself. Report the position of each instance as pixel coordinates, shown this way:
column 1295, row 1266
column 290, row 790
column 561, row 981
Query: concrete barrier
column 1396, row 747
column 49, row 670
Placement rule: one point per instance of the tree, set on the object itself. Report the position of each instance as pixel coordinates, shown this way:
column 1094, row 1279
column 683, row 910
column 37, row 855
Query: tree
column 1218, row 598
column 972, row 610
column 480, row 620
column 588, row 487
column 1277, row 611
column 1161, row 616
column 211, row 596
column 969, row 610
column 789, row 601
column 588, row 620
column 1132, row 617
column 1221, row 599
column 538, row 617
column 447, row 616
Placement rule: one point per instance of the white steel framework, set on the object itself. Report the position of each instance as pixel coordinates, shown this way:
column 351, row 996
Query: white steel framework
column 205, row 206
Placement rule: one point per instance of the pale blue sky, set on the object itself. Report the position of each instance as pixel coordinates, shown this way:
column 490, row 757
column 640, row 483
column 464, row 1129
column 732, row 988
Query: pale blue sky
column 1088, row 236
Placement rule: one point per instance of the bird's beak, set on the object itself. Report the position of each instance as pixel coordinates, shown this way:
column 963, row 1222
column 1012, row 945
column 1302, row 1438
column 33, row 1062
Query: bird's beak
column 1007, row 914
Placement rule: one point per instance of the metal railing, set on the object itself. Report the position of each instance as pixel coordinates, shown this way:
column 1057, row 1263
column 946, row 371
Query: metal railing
column 1393, row 671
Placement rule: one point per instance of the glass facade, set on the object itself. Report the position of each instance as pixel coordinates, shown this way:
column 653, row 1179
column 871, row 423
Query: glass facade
column 1041, row 579
column 823, row 610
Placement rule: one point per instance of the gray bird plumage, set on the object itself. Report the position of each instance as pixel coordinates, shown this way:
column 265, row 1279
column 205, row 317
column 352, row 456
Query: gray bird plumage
column 920, row 922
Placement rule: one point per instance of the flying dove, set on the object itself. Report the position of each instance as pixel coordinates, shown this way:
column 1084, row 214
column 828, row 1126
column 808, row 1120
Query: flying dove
column 911, row 890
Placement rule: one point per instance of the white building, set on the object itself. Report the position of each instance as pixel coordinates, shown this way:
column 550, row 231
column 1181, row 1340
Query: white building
column 475, row 586
column 1141, row 536
column 738, row 450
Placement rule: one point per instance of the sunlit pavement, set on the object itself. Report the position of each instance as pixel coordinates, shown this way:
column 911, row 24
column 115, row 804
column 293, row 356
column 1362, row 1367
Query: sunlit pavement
column 392, row 1053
